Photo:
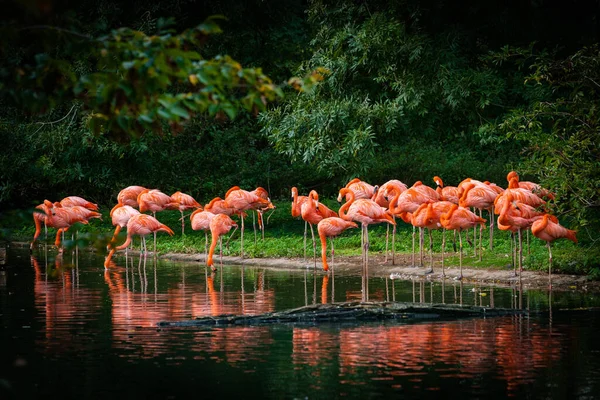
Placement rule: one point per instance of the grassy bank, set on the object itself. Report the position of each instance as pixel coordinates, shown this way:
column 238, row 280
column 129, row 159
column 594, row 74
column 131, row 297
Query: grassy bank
column 284, row 239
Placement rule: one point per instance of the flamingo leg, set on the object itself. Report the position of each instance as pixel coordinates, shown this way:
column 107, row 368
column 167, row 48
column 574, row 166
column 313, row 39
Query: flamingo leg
column 480, row 235
column 367, row 244
column 312, row 233
column 332, row 250
column 154, row 215
column 206, row 245
column 221, row 249
column 182, row 223
column 491, row 228
column 242, row 235
column 461, row 253
column 421, row 245
column 387, row 238
column 513, row 252
column 430, row 250
column 413, row 247
column 254, row 228
column 230, row 236
column 520, row 252
column 443, row 250
column 549, row 264
column 305, row 231
column 394, row 242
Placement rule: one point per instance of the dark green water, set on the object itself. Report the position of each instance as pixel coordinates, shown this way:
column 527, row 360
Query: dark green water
column 70, row 329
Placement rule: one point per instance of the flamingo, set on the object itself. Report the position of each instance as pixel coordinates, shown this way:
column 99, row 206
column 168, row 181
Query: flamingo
column 71, row 201
column 387, row 191
column 120, row 215
column 459, row 218
column 446, row 193
column 482, row 197
column 242, row 200
column 329, row 228
column 129, row 196
column 217, row 206
column 141, row 225
column 367, row 212
column 154, row 200
column 185, row 202
column 428, row 216
column 38, row 218
column 220, row 224
column 548, row 229
column 313, row 213
column 200, row 220
column 361, row 190
column 297, row 202
column 512, row 216
column 531, row 186
column 63, row 217
column 408, row 202
column 262, row 193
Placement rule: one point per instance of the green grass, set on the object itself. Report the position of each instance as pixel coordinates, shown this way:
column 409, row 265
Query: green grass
column 284, row 238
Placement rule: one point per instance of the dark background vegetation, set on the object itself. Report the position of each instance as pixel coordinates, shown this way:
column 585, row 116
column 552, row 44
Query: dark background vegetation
column 414, row 89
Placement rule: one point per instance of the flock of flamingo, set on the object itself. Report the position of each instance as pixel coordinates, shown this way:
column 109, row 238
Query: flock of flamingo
column 446, row 208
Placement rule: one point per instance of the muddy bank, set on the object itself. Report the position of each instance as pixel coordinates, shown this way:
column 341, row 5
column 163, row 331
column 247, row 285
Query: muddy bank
column 500, row 277
column 402, row 270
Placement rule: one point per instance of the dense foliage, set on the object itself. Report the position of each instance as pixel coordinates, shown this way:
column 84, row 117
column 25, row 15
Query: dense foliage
column 99, row 95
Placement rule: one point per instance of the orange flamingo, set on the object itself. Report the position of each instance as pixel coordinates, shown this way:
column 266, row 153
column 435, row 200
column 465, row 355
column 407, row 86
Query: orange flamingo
column 40, row 214
column 154, row 200
column 185, row 202
column 313, row 213
column 220, row 224
column 510, row 215
column 446, row 193
column 242, row 200
column 63, row 217
column 361, row 190
column 428, row 216
column 381, row 196
column 217, row 206
column 297, row 202
column 201, row 222
column 71, row 201
column 120, row 215
column 531, row 186
column 548, row 229
column 141, row 225
column 129, row 196
column 263, row 194
column 329, row 228
column 408, row 202
column 459, row 218
column 482, row 197
column 367, row 212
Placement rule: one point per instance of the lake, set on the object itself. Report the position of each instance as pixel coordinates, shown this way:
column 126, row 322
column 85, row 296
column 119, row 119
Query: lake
column 71, row 329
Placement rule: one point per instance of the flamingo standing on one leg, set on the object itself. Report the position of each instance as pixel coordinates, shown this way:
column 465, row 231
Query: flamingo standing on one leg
column 201, row 222
column 262, row 193
column 381, row 196
column 459, row 218
column 220, row 224
column 185, row 202
column 361, row 190
column 548, row 229
column 367, row 212
column 313, row 213
column 141, row 225
column 329, row 228
column 428, row 216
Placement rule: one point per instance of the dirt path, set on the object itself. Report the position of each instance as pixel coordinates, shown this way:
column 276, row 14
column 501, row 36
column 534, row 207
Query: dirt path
column 403, row 270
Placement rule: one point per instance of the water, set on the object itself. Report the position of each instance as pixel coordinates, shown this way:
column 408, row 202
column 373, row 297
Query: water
column 71, row 329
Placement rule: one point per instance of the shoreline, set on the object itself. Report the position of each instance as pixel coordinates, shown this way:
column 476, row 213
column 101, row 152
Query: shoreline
column 401, row 270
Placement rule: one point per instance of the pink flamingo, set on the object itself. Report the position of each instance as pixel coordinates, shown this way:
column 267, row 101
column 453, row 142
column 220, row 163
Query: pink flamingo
column 220, row 224
column 548, row 229
column 185, row 202
column 200, row 220
column 381, row 196
column 329, row 228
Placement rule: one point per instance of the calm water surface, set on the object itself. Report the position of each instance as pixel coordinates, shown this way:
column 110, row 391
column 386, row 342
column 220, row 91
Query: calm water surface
column 72, row 329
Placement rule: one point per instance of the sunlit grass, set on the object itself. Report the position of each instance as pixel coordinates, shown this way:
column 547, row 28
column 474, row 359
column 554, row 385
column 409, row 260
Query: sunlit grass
column 284, row 239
